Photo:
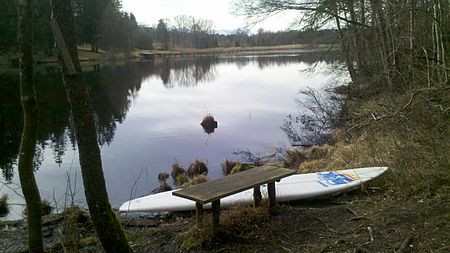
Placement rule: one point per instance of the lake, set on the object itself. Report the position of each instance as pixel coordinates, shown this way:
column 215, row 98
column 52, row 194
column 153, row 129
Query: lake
column 148, row 116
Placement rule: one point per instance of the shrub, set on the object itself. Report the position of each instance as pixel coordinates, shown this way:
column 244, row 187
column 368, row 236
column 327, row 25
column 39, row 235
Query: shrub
column 46, row 207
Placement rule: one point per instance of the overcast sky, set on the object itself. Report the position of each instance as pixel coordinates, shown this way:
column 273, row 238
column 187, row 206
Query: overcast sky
column 219, row 11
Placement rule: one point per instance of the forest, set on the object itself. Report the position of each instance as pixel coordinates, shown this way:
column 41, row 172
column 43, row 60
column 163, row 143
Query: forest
column 104, row 25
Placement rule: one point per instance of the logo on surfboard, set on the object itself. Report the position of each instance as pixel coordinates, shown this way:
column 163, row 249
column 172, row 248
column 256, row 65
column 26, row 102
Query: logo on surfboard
column 333, row 178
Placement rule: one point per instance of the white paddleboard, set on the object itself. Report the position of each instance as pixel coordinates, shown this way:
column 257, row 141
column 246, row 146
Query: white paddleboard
column 295, row 187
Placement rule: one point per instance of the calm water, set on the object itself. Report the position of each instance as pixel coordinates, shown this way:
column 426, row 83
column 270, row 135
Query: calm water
column 148, row 117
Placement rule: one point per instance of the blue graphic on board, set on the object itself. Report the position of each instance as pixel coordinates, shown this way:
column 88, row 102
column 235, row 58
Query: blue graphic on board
column 333, row 178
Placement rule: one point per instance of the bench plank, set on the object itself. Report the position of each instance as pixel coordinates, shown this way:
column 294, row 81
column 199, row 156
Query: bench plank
column 216, row 189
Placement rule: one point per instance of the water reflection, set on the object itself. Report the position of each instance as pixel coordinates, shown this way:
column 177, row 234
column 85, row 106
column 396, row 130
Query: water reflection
column 112, row 88
column 159, row 104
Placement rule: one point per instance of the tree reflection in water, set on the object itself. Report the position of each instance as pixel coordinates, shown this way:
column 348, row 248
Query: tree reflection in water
column 112, row 89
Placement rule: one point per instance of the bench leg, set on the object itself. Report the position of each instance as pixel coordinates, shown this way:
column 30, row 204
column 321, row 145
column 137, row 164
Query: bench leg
column 215, row 216
column 257, row 196
column 199, row 213
column 272, row 198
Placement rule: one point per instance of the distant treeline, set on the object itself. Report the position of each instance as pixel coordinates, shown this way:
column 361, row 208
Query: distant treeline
column 101, row 24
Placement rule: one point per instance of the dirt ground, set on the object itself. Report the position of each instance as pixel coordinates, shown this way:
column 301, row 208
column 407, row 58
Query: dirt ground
column 351, row 223
column 360, row 221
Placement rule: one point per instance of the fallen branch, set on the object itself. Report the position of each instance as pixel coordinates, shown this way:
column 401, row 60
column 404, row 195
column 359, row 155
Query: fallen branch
column 350, row 210
column 404, row 244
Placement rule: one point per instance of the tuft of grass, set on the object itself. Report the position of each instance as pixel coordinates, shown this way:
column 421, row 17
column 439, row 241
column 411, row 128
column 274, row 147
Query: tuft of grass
column 197, row 179
column 242, row 219
column 181, row 180
column 4, row 207
column 198, row 167
column 293, row 158
column 239, row 167
column 209, row 124
column 236, row 222
column 164, row 187
column 162, row 177
column 227, row 166
column 310, row 166
column 176, row 171
column 319, row 152
column 196, row 237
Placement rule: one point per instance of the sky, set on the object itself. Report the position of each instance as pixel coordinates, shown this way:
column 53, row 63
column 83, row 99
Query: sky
column 148, row 12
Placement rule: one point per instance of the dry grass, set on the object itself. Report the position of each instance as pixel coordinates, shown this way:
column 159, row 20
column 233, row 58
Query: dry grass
column 293, row 158
column 239, row 167
column 4, row 208
column 197, row 179
column 197, row 168
column 162, row 177
column 319, row 152
column 181, row 180
column 239, row 220
column 227, row 166
column 176, row 171
column 413, row 168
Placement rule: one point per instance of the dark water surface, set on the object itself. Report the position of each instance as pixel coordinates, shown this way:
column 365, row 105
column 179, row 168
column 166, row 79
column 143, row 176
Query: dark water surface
column 148, row 116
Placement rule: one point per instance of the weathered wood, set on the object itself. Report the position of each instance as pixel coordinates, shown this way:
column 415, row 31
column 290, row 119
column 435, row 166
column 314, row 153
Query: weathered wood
column 272, row 198
column 226, row 186
column 215, row 216
column 199, row 213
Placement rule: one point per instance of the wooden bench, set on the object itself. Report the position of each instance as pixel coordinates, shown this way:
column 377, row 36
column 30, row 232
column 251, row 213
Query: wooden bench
column 214, row 190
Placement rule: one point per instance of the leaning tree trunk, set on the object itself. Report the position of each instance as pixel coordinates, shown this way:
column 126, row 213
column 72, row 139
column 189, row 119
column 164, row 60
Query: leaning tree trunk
column 29, row 132
column 108, row 228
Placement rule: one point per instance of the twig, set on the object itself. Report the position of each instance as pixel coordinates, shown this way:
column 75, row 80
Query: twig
column 358, row 218
column 370, row 233
column 352, row 211
column 404, row 244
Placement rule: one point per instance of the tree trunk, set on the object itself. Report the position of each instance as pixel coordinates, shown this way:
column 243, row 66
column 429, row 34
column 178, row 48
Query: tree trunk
column 380, row 23
column 29, row 132
column 108, row 228
column 346, row 51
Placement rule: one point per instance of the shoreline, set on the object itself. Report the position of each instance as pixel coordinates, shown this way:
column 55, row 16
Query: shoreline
column 87, row 56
